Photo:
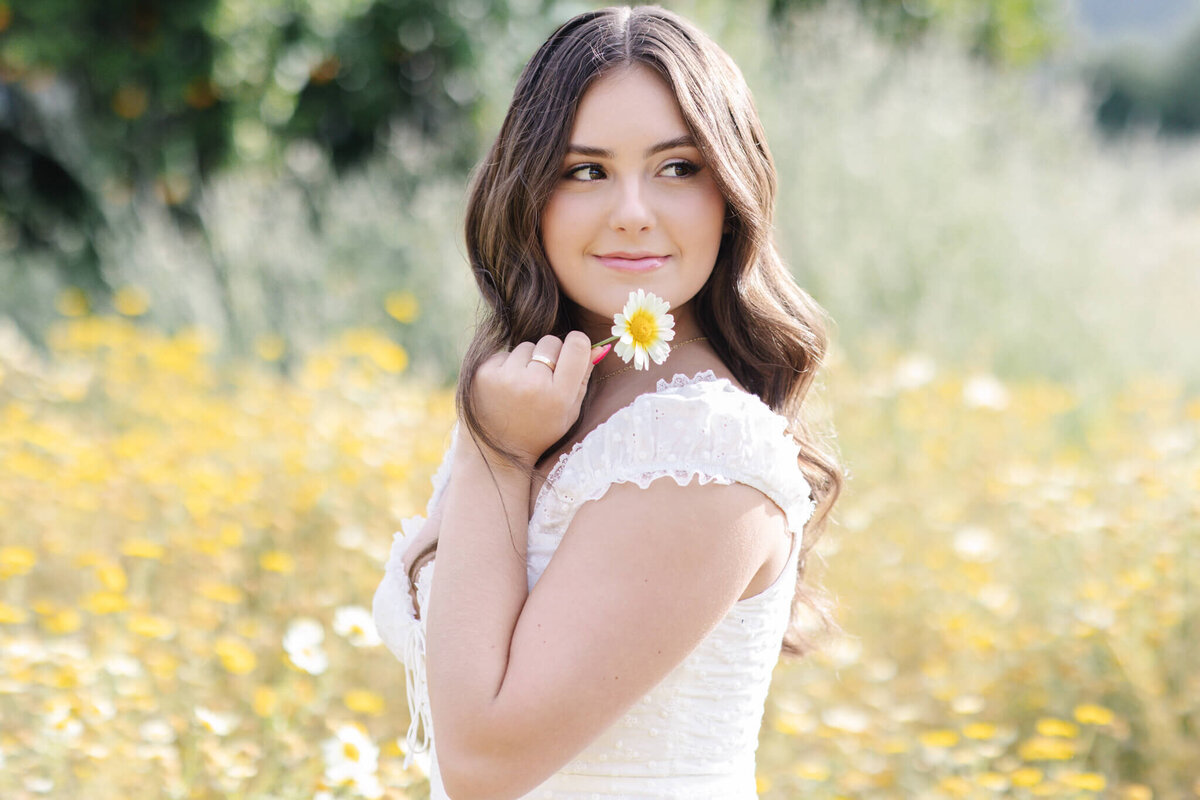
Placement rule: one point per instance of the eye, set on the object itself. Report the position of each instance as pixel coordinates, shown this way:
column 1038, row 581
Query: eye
column 584, row 173
column 681, row 169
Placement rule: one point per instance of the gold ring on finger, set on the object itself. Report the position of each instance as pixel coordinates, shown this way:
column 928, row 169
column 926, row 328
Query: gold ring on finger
column 541, row 359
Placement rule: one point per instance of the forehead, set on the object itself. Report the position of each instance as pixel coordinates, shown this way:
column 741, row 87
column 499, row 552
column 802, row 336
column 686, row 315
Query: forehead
column 631, row 104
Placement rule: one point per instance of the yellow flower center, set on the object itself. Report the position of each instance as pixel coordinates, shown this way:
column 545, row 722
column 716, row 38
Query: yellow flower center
column 642, row 327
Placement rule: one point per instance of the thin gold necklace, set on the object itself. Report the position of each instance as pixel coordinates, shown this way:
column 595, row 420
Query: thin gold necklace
column 626, row 369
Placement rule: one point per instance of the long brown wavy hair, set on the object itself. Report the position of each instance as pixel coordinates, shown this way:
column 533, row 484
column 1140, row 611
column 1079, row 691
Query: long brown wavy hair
column 768, row 331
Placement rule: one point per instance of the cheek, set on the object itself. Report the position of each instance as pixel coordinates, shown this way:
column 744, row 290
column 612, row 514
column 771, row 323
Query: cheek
column 551, row 231
column 560, row 240
column 706, row 221
column 563, row 230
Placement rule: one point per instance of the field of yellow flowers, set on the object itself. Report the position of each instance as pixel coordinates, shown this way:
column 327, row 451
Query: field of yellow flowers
column 189, row 545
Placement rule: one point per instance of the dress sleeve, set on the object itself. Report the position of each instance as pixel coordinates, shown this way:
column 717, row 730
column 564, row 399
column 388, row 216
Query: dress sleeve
column 690, row 430
column 396, row 620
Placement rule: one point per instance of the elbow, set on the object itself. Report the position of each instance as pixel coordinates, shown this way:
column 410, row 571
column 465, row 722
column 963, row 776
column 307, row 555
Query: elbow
column 483, row 759
column 473, row 769
column 474, row 777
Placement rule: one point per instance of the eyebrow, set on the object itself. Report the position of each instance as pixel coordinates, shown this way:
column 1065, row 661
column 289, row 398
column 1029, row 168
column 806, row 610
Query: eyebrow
column 600, row 152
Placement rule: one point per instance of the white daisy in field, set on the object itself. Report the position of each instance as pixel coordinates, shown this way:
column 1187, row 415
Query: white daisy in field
column 356, row 624
column 352, row 759
column 61, row 722
column 303, row 645
column 218, row 723
column 642, row 330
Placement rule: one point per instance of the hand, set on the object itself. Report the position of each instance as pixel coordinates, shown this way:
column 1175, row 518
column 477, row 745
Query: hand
column 525, row 404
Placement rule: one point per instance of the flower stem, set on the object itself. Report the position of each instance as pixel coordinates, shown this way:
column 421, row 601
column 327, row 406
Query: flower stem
column 605, row 341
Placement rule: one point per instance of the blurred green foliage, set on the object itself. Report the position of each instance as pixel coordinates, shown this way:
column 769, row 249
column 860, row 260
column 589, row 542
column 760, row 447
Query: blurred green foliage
column 103, row 102
column 99, row 102
column 272, row 172
column 1011, row 32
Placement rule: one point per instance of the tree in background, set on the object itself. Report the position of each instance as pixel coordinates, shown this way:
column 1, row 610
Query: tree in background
column 1138, row 88
column 100, row 102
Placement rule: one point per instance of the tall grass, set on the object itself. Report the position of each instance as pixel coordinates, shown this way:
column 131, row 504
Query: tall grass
column 930, row 201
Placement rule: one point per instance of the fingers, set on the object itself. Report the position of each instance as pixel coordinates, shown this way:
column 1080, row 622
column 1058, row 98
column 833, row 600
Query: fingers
column 527, row 398
column 567, row 362
column 574, row 361
column 519, row 356
column 545, row 354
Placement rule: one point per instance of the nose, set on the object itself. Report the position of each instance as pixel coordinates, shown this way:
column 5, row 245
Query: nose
column 632, row 209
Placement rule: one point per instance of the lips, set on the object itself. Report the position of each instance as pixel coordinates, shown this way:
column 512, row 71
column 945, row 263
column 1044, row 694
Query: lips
column 632, row 262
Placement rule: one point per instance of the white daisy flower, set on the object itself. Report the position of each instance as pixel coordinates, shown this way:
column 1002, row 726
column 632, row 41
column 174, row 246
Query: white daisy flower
column 352, row 759
column 642, row 330
column 356, row 624
column 220, row 724
column 303, row 645
column 62, row 724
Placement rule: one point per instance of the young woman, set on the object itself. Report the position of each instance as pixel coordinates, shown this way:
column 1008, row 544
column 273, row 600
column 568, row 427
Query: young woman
column 618, row 550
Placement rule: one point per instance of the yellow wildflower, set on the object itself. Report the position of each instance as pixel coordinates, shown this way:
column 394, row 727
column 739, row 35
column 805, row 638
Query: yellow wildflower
column 939, row 739
column 66, row 620
column 402, row 306
column 1044, row 748
column 16, row 560
column 266, row 700
column 131, row 301
column 980, row 730
column 98, row 603
column 955, row 786
column 1049, row 726
column 151, row 627
column 142, row 548
column 11, row 615
column 364, row 702
column 235, row 656
column 811, row 771
column 222, row 593
column 277, row 561
column 1088, row 781
column 112, row 577
column 1089, row 714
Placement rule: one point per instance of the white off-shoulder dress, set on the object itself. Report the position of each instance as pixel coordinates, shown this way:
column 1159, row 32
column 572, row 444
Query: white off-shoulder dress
column 695, row 734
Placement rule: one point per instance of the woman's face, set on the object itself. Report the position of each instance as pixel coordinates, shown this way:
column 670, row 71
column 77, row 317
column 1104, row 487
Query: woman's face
column 635, row 206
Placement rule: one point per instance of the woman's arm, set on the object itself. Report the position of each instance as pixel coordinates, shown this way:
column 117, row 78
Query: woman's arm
column 480, row 586
column 477, row 594
column 641, row 577
column 521, row 682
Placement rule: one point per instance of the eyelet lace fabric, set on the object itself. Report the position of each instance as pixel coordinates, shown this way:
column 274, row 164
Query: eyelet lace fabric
column 695, row 734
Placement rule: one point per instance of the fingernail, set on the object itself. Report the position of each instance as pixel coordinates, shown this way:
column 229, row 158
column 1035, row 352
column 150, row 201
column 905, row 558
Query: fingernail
column 603, row 352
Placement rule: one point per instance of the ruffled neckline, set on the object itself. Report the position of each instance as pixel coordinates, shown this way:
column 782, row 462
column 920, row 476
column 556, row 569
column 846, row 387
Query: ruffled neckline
column 680, row 381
